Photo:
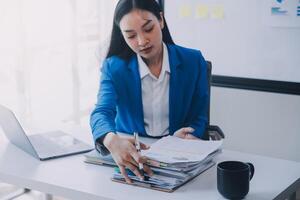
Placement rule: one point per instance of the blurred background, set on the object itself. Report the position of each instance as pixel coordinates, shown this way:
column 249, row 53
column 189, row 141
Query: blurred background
column 50, row 55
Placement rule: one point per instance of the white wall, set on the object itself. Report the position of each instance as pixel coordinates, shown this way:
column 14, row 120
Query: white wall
column 258, row 122
column 239, row 37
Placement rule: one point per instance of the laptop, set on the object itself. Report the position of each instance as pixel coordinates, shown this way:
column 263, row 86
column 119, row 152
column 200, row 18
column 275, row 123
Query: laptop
column 43, row 146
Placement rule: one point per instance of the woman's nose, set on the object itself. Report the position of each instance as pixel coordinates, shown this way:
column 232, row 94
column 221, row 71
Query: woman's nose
column 142, row 41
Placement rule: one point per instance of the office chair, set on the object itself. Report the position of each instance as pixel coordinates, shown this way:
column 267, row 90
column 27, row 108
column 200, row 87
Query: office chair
column 213, row 132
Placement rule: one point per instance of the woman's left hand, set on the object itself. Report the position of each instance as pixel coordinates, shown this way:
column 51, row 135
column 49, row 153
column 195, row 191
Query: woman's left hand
column 186, row 133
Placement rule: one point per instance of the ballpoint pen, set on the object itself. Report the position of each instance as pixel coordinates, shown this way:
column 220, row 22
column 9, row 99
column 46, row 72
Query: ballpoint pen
column 138, row 148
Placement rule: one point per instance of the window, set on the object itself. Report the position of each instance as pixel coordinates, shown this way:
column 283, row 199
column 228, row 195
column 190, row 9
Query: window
column 50, row 55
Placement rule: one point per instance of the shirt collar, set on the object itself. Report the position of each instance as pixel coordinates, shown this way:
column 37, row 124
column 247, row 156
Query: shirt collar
column 144, row 70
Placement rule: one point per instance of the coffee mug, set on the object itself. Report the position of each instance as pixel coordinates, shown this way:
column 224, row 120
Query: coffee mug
column 233, row 178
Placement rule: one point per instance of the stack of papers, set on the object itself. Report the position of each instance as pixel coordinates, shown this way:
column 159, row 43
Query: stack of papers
column 93, row 157
column 178, row 154
column 173, row 160
column 167, row 182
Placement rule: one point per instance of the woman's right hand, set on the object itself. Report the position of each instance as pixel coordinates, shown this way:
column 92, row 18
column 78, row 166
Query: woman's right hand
column 125, row 154
column 186, row 133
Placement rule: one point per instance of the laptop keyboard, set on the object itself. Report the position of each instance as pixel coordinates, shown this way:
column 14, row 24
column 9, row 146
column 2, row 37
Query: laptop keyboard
column 43, row 145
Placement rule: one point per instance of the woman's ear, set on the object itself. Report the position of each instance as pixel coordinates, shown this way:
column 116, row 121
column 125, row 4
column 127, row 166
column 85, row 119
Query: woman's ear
column 161, row 21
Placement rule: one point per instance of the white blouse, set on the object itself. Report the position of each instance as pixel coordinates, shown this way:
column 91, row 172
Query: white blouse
column 155, row 96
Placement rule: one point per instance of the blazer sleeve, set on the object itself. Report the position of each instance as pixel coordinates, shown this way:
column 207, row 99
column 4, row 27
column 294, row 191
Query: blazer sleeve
column 200, row 101
column 102, row 119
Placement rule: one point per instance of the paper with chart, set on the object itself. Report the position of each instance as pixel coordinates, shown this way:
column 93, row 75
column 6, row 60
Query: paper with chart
column 172, row 149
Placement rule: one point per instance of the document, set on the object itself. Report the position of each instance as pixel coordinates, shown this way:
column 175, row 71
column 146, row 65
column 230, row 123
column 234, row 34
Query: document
column 173, row 150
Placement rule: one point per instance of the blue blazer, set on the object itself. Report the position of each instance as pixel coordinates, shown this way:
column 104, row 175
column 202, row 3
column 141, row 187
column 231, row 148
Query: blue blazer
column 119, row 105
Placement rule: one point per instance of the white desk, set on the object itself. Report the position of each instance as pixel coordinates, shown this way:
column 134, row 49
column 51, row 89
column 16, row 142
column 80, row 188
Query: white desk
column 72, row 178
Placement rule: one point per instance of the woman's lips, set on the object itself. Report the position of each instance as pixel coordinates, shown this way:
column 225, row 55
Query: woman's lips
column 146, row 50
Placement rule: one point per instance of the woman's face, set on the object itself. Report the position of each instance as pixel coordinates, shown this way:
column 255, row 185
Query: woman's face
column 142, row 32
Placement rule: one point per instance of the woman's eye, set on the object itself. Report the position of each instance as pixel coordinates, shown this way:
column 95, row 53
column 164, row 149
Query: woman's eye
column 149, row 29
column 131, row 36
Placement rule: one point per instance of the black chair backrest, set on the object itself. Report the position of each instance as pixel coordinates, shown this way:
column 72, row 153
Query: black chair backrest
column 212, row 132
column 209, row 86
column 206, row 134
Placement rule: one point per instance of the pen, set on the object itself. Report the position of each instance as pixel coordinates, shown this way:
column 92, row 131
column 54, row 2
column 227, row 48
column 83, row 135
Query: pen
column 138, row 149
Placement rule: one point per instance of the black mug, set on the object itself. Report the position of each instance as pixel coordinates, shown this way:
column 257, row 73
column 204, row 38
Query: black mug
column 233, row 178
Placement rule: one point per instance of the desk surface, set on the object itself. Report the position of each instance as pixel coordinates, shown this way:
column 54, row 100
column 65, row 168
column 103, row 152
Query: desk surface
column 72, row 178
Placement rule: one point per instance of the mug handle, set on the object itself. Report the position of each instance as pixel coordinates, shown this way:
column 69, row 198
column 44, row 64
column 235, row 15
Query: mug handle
column 251, row 166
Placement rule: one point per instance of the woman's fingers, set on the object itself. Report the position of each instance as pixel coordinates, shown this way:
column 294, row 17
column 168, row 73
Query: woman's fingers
column 147, row 170
column 138, row 158
column 191, row 137
column 126, row 156
column 125, row 175
column 144, row 146
column 180, row 133
column 131, row 161
column 133, row 166
column 183, row 132
column 188, row 129
column 134, row 170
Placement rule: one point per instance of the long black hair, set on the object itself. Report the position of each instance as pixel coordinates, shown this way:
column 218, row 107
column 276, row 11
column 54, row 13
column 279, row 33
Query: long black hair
column 118, row 46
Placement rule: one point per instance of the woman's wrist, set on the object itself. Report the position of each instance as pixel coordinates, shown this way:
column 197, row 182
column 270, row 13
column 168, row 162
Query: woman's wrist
column 109, row 139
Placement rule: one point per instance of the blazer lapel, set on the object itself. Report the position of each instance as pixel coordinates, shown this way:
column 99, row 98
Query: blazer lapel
column 174, row 99
column 136, row 95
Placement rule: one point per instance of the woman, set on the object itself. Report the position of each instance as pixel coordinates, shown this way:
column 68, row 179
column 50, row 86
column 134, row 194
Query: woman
column 149, row 85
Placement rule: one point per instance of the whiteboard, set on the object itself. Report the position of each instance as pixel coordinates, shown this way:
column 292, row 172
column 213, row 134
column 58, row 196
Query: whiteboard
column 240, row 37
